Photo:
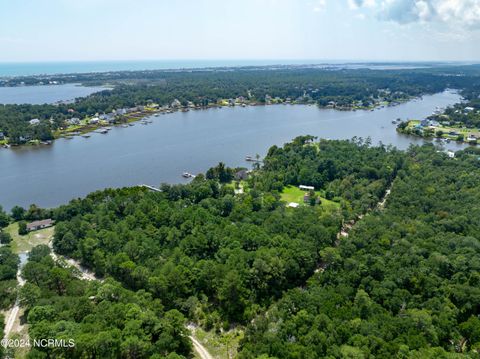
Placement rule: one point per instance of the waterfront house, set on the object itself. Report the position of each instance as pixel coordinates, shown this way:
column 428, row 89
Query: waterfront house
column 36, row 225
column 306, row 188
column 175, row 104
column 469, row 109
column 451, row 154
column 94, row 120
column 34, row 121
column 331, row 104
column 241, row 175
column 425, row 123
column 107, row 117
column 472, row 138
column 73, row 121
column 453, row 133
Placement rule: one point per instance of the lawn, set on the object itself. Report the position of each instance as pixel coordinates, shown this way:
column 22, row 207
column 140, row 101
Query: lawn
column 22, row 244
column 295, row 194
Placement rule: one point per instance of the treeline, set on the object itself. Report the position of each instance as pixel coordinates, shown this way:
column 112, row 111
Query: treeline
column 352, row 170
column 344, row 87
column 9, row 263
column 404, row 284
column 95, row 319
column 200, row 247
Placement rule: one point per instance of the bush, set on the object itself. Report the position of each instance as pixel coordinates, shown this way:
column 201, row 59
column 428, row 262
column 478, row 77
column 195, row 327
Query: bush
column 5, row 238
column 22, row 228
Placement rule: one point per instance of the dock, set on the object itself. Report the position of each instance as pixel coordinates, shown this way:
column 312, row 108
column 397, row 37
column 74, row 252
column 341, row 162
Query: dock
column 151, row 188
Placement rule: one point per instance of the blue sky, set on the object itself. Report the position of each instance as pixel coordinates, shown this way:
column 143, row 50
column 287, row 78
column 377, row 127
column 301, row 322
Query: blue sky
column 78, row 30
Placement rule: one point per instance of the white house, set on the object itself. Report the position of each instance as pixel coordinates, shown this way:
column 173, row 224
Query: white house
column 176, row 103
column 293, row 205
column 34, row 121
column 94, row 120
column 469, row 109
column 73, row 121
column 306, row 188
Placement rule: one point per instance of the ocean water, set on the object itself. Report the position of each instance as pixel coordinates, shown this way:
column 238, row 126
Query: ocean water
column 49, row 68
column 10, row 69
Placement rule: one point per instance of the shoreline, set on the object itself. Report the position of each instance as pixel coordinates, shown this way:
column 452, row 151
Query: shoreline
column 134, row 117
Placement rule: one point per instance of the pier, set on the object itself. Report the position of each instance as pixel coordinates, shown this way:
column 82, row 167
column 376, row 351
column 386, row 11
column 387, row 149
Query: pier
column 151, row 188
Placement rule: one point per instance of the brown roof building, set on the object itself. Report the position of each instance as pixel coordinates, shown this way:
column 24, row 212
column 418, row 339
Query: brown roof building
column 36, row 225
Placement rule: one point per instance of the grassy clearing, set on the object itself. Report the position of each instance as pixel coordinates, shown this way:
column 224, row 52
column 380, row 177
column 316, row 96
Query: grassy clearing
column 21, row 244
column 295, row 194
column 224, row 345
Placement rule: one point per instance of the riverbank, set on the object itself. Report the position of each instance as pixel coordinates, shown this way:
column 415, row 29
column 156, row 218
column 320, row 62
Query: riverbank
column 446, row 134
column 188, row 142
column 85, row 127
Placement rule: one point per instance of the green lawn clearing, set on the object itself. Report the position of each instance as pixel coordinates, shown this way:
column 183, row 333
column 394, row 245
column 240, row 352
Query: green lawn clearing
column 295, row 194
column 21, row 244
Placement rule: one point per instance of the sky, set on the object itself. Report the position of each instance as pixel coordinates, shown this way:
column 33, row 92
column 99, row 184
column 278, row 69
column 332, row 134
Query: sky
column 354, row 30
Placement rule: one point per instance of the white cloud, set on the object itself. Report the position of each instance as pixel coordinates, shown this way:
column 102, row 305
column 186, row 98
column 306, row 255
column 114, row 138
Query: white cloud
column 461, row 13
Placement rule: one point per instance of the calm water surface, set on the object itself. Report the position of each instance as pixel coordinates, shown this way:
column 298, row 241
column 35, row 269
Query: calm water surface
column 191, row 141
column 38, row 95
column 39, row 68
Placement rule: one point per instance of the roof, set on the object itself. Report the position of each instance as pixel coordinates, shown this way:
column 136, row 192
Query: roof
column 44, row 222
column 293, row 205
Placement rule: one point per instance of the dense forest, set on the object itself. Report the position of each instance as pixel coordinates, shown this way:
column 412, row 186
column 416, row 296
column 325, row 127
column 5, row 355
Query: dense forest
column 403, row 283
column 203, row 87
column 96, row 319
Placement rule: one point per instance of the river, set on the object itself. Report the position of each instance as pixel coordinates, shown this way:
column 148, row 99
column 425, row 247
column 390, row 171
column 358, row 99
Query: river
column 38, row 95
column 187, row 141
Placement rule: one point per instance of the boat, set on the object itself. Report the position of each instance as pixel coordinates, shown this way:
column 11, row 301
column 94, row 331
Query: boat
column 125, row 126
column 86, row 136
column 187, row 175
column 131, row 124
column 68, row 137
